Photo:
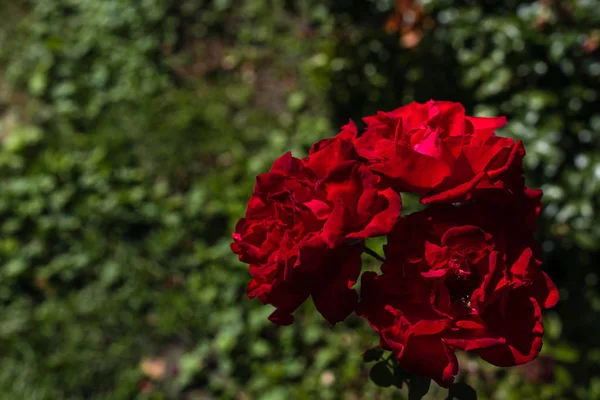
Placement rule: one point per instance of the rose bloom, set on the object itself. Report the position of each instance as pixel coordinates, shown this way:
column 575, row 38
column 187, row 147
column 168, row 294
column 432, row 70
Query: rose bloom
column 302, row 235
column 327, row 154
column 434, row 150
column 459, row 278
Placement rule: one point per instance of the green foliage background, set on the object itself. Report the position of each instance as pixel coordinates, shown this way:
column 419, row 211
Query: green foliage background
column 131, row 132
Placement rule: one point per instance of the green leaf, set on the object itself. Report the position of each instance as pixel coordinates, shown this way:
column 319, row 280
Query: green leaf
column 296, row 101
column 373, row 354
column 14, row 267
column 381, row 375
column 400, row 375
column 461, row 391
column 418, row 386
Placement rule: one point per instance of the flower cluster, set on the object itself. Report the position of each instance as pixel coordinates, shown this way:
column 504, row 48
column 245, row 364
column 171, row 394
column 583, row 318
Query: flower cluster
column 464, row 273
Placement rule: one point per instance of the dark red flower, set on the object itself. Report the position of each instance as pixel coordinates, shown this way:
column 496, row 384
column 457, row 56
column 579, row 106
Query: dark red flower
column 328, row 154
column 459, row 278
column 435, row 150
column 298, row 232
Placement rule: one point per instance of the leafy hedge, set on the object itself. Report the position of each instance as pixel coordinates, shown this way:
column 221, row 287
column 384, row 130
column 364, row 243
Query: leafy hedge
column 140, row 126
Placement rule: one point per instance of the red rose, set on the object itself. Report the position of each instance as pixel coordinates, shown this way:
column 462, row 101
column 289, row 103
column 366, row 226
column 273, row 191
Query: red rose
column 458, row 278
column 297, row 232
column 327, row 154
column 435, row 150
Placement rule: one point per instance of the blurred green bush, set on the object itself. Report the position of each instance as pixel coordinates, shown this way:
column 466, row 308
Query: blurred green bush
column 131, row 132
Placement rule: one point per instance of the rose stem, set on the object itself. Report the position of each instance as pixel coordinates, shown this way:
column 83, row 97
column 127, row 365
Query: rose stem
column 373, row 254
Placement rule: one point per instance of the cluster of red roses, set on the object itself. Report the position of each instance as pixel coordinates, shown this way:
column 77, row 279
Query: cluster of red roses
column 464, row 273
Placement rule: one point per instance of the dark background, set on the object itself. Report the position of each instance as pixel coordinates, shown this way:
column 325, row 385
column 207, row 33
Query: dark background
column 131, row 132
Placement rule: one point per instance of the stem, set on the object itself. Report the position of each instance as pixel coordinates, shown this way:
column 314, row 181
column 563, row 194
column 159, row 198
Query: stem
column 389, row 361
column 373, row 254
